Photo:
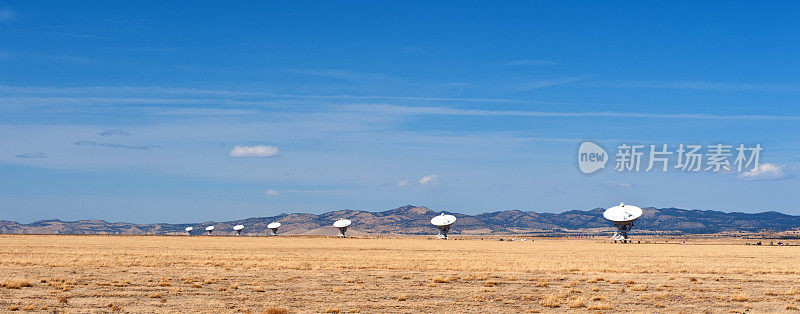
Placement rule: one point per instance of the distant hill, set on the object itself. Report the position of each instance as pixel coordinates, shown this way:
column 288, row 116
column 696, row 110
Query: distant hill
column 411, row 219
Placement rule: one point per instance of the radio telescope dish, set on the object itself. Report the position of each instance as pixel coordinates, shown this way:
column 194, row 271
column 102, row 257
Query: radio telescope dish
column 623, row 217
column 189, row 230
column 342, row 224
column 443, row 222
column 238, row 229
column 273, row 228
column 209, row 229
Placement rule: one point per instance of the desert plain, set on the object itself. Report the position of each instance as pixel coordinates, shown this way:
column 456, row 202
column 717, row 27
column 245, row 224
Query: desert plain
column 73, row 273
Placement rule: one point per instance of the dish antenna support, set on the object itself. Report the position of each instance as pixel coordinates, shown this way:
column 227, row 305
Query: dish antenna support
column 209, row 229
column 623, row 217
column 622, row 232
column 273, row 228
column 238, row 229
column 443, row 222
column 342, row 224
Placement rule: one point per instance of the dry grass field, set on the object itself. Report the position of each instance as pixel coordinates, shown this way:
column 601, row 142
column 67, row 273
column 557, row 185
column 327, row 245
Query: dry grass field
column 302, row 274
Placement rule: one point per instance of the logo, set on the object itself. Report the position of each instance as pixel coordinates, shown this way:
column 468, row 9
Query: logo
column 688, row 158
column 591, row 157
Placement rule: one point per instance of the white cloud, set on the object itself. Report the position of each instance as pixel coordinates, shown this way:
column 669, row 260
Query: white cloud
column 271, row 192
column 429, row 179
column 402, row 183
column 254, row 151
column 767, row 172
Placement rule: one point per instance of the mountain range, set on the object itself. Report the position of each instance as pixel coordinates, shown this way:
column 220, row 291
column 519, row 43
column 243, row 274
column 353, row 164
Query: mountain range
column 413, row 220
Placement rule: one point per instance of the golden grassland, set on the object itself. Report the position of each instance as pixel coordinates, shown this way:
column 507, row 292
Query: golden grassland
column 332, row 275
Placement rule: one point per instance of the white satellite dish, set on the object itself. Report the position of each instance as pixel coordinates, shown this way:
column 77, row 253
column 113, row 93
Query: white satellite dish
column 273, row 228
column 189, row 230
column 623, row 217
column 342, row 225
column 443, row 222
column 209, row 229
column 238, row 229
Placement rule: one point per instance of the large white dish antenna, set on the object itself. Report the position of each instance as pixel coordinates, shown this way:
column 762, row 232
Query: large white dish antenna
column 342, row 223
column 622, row 213
column 189, row 229
column 210, row 228
column 238, row 229
column 623, row 217
column 443, row 220
column 273, row 228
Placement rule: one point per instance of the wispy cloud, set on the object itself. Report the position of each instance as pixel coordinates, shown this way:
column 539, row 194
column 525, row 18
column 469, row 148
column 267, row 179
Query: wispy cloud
column 122, row 89
column 340, row 74
column 767, row 172
column 31, row 155
column 403, row 183
column 404, row 98
column 530, row 62
column 154, row 49
column 95, row 93
column 271, row 192
column 205, row 111
column 419, row 110
column 110, row 132
column 430, row 179
column 7, row 15
column 527, row 86
column 67, row 58
column 254, row 151
column 45, row 57
column 707, row 86
column 117, row 146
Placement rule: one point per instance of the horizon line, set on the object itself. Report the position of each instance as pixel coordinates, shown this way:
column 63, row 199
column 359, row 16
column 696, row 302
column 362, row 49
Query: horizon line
column 380, row 211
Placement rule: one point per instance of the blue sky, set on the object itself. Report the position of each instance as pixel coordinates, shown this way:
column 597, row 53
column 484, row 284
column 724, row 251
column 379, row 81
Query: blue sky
column 134, row 111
